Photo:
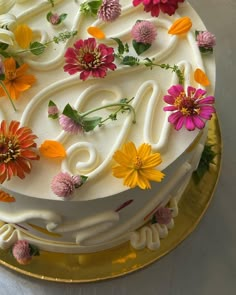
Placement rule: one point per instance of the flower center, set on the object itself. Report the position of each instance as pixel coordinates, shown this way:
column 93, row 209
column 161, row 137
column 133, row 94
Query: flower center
column 9, row 150
column 138, row 163
column 11, row 75
column 186, row 105
column 90, row 60
column 88, row 57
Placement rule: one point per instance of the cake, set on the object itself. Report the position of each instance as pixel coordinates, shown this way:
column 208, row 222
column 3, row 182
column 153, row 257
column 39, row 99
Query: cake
column 112, row 100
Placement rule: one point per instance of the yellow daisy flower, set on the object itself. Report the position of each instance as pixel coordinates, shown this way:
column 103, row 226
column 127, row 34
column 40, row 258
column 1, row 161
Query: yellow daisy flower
column 137, row 166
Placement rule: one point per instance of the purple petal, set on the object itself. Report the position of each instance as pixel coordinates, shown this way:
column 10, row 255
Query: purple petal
column 189, row 123
column 173, row 118
column 169, row 99
column 199, row 123
column 207, row 100
column 175, row 90
column 169, row 108
column 199, row 93
column 179, row 124
column 191, row 91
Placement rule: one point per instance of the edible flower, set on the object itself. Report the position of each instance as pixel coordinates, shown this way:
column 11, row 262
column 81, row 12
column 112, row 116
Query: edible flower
column 89, row 58
column 6, row 198
column 109, row 11
column 156, row 6
column 63, row 184
column 23, row 252
column 163, row 215
column 52, row 149
column 189, row 109
column 23, row 35
column 16, row 150
column 137, row 166
column 56, row 19
column 201, row 78
column 96, row 32
column 205, row 41
column 16, row 79
column 180, row 26
column 144, row 32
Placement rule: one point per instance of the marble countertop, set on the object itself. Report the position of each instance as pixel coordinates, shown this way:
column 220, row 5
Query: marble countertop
column 205, row 263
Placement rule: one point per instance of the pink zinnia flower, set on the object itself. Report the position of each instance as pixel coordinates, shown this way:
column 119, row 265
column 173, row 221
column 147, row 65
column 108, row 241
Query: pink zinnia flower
column 206, row 40
column 110, row 10
column 21, row 251
column 69, row 125
column 190, row 109
column 155, row 6
column 163, row 215
column 89, row 58
column 144, row 32
column 63, row 184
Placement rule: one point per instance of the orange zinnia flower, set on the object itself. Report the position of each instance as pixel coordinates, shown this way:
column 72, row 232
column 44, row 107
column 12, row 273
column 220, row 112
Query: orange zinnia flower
column 16, row 145
column 137, row 166
column 16, row 81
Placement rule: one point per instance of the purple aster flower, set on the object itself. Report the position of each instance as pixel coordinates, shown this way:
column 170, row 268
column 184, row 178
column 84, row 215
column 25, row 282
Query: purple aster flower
column 144, row 32
column 191, row 109
column 163, row 215
column 109, row 11
column 63, row 184
column 69, row 125
column 206, row 40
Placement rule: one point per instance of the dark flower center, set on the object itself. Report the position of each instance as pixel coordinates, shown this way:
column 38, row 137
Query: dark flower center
column 186, row 105
column 9, row 149
column 88, row 57
column 90, row 60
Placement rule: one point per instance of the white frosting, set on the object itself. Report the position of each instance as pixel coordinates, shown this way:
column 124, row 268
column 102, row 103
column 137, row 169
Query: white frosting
column 88, row 222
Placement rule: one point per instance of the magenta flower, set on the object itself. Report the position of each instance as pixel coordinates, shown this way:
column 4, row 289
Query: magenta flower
column 206, row 40
column 109, row 11
column 69, row 125
column 89, row 58
column 144, row 32
column 163, row 215
column 155, row 6
column 191, row 109
column 63, row 184
column 22, row 252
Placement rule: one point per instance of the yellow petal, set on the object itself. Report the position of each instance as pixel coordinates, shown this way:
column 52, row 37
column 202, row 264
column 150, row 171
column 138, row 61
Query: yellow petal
column 131, row 179
column 152, row 161
column 130, row 150
column 96, row 32
column 144, row 150
column 52, row 149
column 201, row 78
column 120, row 171
column 180, row 26
column 23, row 35
column 152, row 174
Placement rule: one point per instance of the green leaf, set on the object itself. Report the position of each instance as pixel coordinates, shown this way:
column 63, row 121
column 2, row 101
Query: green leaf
column 140, row 47
column 37, row 48
column 48, row 16
column 153, row 220
column 62, row 17
column 94, row 6
column 4, row 54
column 206, row 50
column 3, row 46
column 71, row 113
column 121, row 46
column 51, row 104
column 34, row 251
column 130, row 61
column 2, row 77
column 90, row 123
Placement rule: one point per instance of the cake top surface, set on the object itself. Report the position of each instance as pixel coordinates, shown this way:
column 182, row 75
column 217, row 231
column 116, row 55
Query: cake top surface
column 133, row 87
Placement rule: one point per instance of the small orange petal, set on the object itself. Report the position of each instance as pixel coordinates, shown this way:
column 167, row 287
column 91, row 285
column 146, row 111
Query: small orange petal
column 180, row 26
column 23, row 35
column 5, row 197
column 52, row 149
column 96, row 32
column 201, row 78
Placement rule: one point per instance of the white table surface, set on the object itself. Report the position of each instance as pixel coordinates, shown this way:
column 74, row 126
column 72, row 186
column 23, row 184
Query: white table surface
column 205, row 263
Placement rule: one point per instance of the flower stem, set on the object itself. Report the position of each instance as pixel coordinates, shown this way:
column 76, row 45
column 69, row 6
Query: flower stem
column 8, row 95
column 122, row 106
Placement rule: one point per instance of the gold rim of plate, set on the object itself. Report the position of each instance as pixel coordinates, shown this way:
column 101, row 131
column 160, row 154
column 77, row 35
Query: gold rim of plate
column 119, row 261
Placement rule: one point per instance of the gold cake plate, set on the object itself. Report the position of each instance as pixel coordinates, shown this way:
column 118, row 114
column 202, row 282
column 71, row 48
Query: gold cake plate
column 78, row 268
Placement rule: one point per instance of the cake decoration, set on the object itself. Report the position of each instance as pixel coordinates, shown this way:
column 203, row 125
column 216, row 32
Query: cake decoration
column 205, row 41
column 189, row 110
column 157, row 6
column 23, row 251
column 55, row 19
column 5, row 197
column 136, row 166
column 201, row 78
column 180, row 26
column 52, row 149
column 163, row 215
column 17, row 150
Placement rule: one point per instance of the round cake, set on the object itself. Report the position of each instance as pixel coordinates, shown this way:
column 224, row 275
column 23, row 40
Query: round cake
column 104, row 108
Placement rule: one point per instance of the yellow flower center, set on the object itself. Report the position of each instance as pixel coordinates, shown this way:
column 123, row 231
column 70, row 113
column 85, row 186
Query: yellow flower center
column 9, row 149
column 11, row 75
column 138, row 163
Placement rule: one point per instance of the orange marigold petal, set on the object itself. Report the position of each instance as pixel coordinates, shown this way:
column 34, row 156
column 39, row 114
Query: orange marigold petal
column 10, row 65
column 21, row 70
column 180, row 26
column 52, row 149
column 29, row 155
column 201, row 78
column 23, row 35
column 5, row 197
column 96, row 32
